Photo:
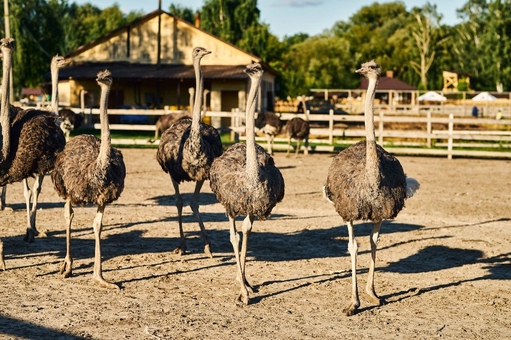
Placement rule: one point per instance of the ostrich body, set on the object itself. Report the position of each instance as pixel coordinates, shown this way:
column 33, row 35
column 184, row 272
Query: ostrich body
column 268, row 123
column 298, row 128
column 90, row 171
column 186, row 151
column 31, row 142
column 247, row 183
column 165, row 121
column 365, row 182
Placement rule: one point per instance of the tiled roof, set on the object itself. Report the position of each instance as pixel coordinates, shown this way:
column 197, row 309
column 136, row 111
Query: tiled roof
column 387, row 83
column 148, row 71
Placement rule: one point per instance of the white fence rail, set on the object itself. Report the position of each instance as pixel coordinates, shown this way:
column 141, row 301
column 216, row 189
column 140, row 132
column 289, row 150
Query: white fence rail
column 426, row 134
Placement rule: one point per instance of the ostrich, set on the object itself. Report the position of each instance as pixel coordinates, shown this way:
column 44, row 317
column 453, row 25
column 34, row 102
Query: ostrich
column 298, row 128
column 365, row 182
column 90, row 170
column 247, row 183
column 186, row 151
column 70, row 121
column 268, row 123
column 31, row 142
column 165, row 121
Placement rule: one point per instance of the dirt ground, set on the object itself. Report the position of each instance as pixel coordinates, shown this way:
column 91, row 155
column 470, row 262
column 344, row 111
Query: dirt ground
column 443, row 267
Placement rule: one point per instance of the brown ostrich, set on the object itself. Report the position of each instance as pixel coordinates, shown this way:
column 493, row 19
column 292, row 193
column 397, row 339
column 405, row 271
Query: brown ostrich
column 165, row 121
column 247, row 183
column 365, row 182
column 298, row 128
column 90, row 171
column 268, row 123
column 186, row 151
column 31, row 142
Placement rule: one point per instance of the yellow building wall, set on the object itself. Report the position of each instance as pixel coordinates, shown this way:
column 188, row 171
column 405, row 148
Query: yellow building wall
column 178, row 38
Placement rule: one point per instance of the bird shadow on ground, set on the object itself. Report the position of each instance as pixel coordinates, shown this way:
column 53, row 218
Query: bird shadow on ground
column 26, row 330
column 204, row 199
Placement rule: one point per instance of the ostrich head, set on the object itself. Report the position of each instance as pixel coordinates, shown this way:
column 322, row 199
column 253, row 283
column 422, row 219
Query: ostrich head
column 199, row 52
column 104, row 77
column 7, row 42
column 58, row 61
column 370, row 69
column 254, row 70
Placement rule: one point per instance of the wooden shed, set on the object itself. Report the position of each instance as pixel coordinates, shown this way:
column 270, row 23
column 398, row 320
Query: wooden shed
column 151, row 63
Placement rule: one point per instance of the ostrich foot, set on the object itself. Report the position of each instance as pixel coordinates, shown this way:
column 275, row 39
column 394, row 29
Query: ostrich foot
column 351, row 309
column 30, row 235
column 180, row 250
column 247, row 285
column 374, row 298
column 243, row 297
column 207, row 250
column 65, row 270
column 105, row 284
column 6, row 208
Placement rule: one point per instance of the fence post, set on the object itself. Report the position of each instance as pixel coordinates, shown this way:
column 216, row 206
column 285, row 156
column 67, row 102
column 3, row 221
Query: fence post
column 429, row 130
column 449, row 141
column 331, row 127
column 380, row 128
column 236, row 122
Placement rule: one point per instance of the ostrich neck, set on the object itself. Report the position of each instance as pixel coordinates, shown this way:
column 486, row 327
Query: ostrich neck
column 372, row 162
column 305, row 112
column 104, row 151
column 54, row 89
column 196, row 118
column 251, row 154
column 4, row 114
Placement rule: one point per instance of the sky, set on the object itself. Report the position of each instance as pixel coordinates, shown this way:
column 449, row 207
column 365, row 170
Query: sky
column 289, row 17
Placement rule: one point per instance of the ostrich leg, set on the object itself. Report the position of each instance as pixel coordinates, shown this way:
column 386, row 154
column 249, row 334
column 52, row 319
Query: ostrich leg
column 353, row 249
column 374, row 238
column 67, row 267
column 32, row 211
column 3, row 205
column 194, row 204
column 297, row 151
column 98, row 270
column 246, row 228
column 288, row 146
column 181, row 250
column 240, row 263
column 2, row 261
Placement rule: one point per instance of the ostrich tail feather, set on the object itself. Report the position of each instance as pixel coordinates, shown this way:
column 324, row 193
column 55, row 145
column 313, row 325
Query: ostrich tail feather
column 412, row 185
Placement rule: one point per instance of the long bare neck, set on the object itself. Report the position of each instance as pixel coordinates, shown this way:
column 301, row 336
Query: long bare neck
column 54, row 88
column 251, row 153
column 196, row 118
column 104, row 151
column 4, row 114
column 372, row 161
column 305, row 112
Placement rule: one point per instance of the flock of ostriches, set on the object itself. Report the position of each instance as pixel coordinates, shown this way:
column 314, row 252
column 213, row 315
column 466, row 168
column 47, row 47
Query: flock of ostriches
column 364, row 181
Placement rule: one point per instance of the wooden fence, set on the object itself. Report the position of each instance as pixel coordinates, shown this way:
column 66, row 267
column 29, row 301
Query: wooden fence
column 412, row 134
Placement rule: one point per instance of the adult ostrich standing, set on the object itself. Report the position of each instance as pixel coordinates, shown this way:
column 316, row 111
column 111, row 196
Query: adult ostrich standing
column 90, row 170
column 165, row 121
column 31, row 142
column 365, row 182
column 268, row 123
column 247, row 183
column 298, row 128
column 186, row 151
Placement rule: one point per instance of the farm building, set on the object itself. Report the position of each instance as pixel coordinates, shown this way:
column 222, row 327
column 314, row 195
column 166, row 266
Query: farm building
column 151, row 63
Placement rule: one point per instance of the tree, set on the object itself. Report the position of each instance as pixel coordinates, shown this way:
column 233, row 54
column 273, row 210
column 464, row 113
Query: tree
column 182, row 12
column 428, row 39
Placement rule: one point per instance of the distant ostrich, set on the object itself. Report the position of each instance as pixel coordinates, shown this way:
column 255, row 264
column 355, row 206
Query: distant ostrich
column 90, row 170
column 268, row 123
column 367, row 183
column 69, row 121
column 186, row 151
column 165, row 121
column 298, row 128
column 247, row 183
column 31, row 142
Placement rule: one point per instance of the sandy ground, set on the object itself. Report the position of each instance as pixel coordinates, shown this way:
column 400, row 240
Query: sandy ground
column 443, row 267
